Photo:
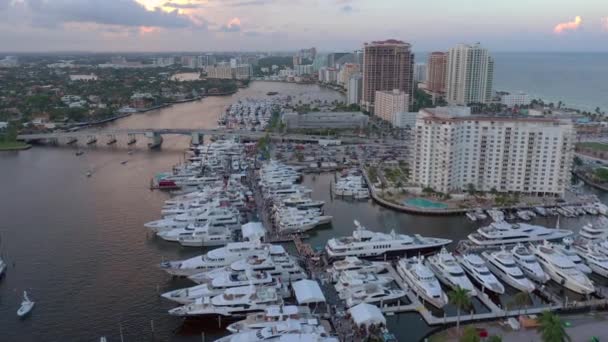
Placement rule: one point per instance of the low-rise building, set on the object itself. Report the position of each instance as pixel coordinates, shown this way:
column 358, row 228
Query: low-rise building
column 512, row 100
column 404, row 119
column 323, row 120
column 220, row 70
column 390, row 102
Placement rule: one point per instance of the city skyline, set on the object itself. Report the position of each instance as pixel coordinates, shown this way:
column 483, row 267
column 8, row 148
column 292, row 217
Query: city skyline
column 270, row 25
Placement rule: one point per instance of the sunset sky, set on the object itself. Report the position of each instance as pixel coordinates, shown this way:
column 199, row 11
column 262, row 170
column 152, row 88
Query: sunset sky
column 330, row 25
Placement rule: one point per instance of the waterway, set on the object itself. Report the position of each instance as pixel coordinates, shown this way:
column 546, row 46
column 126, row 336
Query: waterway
column 77, row 244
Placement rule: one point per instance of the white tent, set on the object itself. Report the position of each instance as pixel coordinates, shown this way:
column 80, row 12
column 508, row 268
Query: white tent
column 308, row 291
column 367, row 314
column 253, row 231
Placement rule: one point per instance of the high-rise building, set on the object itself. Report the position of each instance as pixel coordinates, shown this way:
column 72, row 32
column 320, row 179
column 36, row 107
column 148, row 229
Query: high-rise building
column 328, row 75
column 354, row 89
column 455, row 151
column 301, row 70
column 346, row 71
column 470, row 75
column 333, row 58
column 420, row 72
column 387, row 65
column 437, row 72
column 308, row 53
column 219, row 70
column 242, row 71
column 390, row 102
column 297, row 60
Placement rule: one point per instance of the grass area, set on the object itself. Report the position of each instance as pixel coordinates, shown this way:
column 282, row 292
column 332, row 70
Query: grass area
column 12, row 145
column 593, row 146
column 601, row 174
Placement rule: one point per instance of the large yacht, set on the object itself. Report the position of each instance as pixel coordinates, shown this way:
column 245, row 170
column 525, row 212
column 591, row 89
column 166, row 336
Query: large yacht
column 526, row 260
column 562, row 270
column 598, row 262
column 221, row 257
column 368, row 244
column 236, row 301
column 356, row 264
column 422, row 281
column 476, row 268
column 372, row 293
column 449, row 271
column 348, row 280
column 271, row 316
column 503, row 265
column 283, row 267
column 567, row 251
column 504, row 233
column 217, row 285
column 199, row 217
column 212, row 234
column 282, row 332
column 590, row 232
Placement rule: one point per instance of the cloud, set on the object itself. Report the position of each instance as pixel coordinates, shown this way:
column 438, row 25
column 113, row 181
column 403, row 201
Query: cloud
column 242, row 3
column 106, row 12
column 234, row 25
column 347, row 9
column 605, row 23
column 568, row 26
column 189, row 5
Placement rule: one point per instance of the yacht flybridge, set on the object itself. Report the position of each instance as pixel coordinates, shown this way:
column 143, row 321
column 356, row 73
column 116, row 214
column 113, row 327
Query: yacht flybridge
column 449, row 271
column 271, row 316
column 504, row 233
column 503, row 265
column 562, row 270
column 367, row 244
column 527, row 262
column 422, row 281
column 476, row 268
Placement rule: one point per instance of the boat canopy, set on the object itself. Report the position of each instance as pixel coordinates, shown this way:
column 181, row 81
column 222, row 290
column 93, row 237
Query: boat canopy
column 308, row 291
column 366, row 314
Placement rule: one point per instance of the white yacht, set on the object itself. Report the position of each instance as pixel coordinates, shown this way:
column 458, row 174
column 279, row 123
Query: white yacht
column 220, row 257
column 589, row 232
column 353, row 279
column 476, row 268
column 218, row 285
column 356, row 264
column 503, row 233
column 236, row 301
column 598, row 262
column 449, row 271
column 365, row 243
column 527, row 262
column 567, row 251
column 562, row 270
column 601, row 246
column 271, row 316
column 211, row 234
column 200, row 216
column 422, row 281
column 372, row 293
column 503, row 265
column 26, row 306
column 227, row 225
column 283, row 267
column 283, row 331
column 2, row 267
column 302, row 202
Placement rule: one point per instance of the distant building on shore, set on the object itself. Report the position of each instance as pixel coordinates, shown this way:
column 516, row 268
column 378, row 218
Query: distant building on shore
column 420, row 71
column 388, row 103
column 323, row 120
column 512, row 100
column 470, row 74
column 455, row 150
column 354, row 89
column 437, row 65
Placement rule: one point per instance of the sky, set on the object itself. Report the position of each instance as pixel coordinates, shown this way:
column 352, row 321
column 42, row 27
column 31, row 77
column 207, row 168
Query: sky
column 284, row 25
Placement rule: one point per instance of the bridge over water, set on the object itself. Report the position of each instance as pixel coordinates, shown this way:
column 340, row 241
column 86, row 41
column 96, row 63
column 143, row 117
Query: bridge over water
column 155, row 136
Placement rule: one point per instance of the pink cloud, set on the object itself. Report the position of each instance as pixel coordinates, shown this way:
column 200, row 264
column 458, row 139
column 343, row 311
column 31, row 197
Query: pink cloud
column 605, row 23
column 567, row 26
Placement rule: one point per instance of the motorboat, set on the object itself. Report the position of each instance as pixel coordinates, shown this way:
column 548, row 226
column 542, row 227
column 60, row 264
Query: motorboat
column 449, row 271
column 367, row 244
column 476, row 268
column 220, row 257
column 503, row 265
column 353, row 279
column 217, row 285
column 562, row 270
column 271, row 316
column 504, row 233
column 597, row 261
column 356, row 264
column 526, row 260
column 236, row 301
column 26, row 305
column 566, row 250
column 372, row 293
column 422, row 281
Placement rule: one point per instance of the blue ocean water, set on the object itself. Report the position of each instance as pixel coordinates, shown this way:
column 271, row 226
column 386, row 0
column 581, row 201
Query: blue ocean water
column 578, row 79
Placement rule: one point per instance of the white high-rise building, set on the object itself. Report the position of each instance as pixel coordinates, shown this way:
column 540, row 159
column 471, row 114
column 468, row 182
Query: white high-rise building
column 388, row 103
column 470, row 73
column 454, row 150
column 355, row 89
column 303, row 69
column 512, row 100
column 420, row 72
column 242, row 71
column 219, row 70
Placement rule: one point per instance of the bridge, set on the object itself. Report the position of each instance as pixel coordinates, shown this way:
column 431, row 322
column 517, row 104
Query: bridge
column 155, row 136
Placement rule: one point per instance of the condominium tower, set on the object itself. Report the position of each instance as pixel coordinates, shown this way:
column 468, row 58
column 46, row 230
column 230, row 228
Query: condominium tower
column 470, row 74
column 437, row 69
column 387, row 65
column 455, row 150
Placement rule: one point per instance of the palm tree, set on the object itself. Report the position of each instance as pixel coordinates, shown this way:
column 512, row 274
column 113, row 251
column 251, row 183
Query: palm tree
column 551, row 328
column 460, row 298
column 520, row 300
column 470, row 334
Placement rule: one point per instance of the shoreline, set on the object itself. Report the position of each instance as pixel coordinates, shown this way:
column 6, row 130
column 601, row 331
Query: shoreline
column 15, row 148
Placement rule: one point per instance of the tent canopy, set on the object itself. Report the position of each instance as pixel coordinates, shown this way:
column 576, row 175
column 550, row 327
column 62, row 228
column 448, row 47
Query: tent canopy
column 308, row 291
column 253, row 231
column 366, row 314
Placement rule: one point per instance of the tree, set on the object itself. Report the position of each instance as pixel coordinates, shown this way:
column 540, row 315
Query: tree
column 471, row 189
column 520, row 300
column 460, row 298
column 551, row 328
column 470, row 335
column 494, row 338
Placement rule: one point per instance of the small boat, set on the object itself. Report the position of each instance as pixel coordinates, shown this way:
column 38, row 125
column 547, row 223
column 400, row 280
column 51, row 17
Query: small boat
column 26, row 305
column 79, row 153
column 124, row 162
column 2, row 267
column 89, row 174
column 130, row 152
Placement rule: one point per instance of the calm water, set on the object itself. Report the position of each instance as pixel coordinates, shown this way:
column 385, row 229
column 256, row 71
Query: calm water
column 577, row 79
column 78, row 246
